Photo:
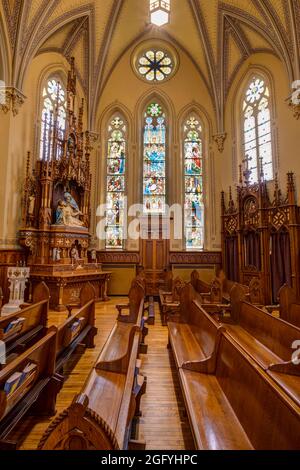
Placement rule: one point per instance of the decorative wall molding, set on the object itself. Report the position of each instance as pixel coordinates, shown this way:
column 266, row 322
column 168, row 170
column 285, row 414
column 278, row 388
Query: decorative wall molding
column 294, row 107
column 108, row 257
column 11, row 99
column 203, row 257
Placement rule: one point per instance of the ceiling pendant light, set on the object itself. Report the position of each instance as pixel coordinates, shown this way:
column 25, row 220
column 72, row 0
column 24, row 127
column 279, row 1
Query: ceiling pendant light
column 160, row 12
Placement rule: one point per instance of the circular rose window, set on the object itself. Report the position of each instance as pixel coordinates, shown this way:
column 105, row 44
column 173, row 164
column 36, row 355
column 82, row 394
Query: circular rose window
column 155, row 66
column 154, row 63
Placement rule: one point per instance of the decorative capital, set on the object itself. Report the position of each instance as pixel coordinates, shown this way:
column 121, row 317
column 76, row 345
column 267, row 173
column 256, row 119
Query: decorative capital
column 11, row 99
column 294, row 107
column 94, row 137
column 220, row 140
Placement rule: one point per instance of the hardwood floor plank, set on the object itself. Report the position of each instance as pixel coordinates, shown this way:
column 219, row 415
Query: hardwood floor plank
column 163, row 424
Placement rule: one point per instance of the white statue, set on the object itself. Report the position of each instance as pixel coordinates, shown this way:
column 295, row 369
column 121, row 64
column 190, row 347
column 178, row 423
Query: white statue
column 67, row 212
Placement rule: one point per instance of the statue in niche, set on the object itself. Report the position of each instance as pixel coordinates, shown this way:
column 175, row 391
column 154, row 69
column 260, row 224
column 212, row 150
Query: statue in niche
column 67, row 212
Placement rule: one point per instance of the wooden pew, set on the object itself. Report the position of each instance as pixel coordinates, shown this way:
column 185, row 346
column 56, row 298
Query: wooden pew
column 37, row 391
column 218, row 291
column 101, row 417
column 86, row 294
column 238, row 407
column 169, row 302
column 78, row 330
column 289, row 305
column 1, row 298
column 267, row 339
column 195, row 335
column 135, row 296
column 33, row 325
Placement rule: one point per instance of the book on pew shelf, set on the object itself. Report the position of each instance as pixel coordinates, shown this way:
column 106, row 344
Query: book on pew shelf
column 77, row 324
column 27, row 371
column 12, row 383
column 13, row 325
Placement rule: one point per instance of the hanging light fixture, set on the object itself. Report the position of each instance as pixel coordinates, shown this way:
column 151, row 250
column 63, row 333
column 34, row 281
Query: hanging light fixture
column 160, row 12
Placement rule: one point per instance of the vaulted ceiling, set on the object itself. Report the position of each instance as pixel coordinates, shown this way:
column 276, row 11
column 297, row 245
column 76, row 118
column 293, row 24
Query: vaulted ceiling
column 217, row 35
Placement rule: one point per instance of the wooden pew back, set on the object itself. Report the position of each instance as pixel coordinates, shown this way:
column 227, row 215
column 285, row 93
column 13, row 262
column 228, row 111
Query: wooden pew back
column 289, row 305
column 65, row 335
column 276, row 334
column 34, row 315
column 207, row 327
column 270, row 419
column 43, row 354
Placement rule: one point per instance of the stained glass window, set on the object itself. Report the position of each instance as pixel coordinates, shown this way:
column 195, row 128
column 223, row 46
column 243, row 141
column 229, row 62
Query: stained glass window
column 193, row 180
column 116, row 184
column 54, row 111
column 155, row 65
column 154, row 176
column 257, row 130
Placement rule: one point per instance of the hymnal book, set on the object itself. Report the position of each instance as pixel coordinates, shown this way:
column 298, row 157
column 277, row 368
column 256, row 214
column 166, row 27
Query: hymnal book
column 14, row 325
column 12, row 383
column 27, row 371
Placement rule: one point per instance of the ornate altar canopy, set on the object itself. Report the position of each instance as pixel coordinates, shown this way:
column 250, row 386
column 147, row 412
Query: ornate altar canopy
column 56, row 205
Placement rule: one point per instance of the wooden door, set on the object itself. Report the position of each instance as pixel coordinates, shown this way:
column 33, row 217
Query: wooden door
column 154, row 254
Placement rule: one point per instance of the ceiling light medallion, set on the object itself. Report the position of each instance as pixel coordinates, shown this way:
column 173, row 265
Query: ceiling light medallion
column 160, row 12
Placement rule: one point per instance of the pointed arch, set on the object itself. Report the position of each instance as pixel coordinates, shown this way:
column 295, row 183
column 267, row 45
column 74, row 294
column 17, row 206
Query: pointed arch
column 116, row 182
column 256, row 105
column 239, row 88
column 168, row 134
column 5, row 72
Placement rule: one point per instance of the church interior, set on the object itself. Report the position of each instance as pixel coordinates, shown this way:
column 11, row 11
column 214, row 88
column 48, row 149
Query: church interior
column 149, row 225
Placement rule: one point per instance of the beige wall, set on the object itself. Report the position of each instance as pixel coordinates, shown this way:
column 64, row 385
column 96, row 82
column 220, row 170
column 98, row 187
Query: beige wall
column 186, row 91
column 284, row 125
column 128, row 94
column 18, row 135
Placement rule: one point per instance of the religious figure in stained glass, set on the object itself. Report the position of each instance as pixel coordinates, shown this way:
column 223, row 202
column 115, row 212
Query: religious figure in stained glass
column 116, row 184
column 193, row 176
column 258, row 150
column 54, row 109
column 154, row 175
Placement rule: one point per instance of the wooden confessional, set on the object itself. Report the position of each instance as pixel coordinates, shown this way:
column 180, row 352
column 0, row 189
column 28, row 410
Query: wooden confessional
column 261, row 236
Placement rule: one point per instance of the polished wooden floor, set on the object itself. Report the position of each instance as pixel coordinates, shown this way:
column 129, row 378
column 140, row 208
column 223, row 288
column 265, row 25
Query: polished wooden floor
column 163, row 425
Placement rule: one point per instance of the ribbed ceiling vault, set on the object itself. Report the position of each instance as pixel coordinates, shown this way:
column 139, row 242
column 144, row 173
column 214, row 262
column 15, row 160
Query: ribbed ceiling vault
column 217, row 35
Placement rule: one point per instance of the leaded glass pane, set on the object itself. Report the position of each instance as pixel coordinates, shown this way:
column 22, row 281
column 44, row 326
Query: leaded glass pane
column 155, row 65
column 193, row 183
column 154, row 155
column 54, row 109
column 258, row 152
column 116, row 183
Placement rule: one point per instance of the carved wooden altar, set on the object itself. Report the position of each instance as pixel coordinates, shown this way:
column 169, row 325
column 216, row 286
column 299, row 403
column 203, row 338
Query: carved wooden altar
column 56, row 207
column 261, row 236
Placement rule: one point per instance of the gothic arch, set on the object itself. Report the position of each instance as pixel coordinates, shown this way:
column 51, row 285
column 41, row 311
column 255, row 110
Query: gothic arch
column 238, row 91
column 208, row 161
column 5, row 71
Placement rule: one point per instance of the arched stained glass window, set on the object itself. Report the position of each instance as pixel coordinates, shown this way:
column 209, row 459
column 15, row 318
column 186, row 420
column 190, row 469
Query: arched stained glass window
column 116, row 183
column 53, row 116
column 193, row 180
column 154, row 174
column 258, row 152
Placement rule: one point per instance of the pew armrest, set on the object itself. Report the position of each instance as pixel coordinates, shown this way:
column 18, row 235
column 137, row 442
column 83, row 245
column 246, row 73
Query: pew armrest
column 289, row 368
column 71, row 307
column 121, row 307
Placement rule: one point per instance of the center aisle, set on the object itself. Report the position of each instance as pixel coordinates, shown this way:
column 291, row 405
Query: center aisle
column 162, row 407
column 163, row 424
